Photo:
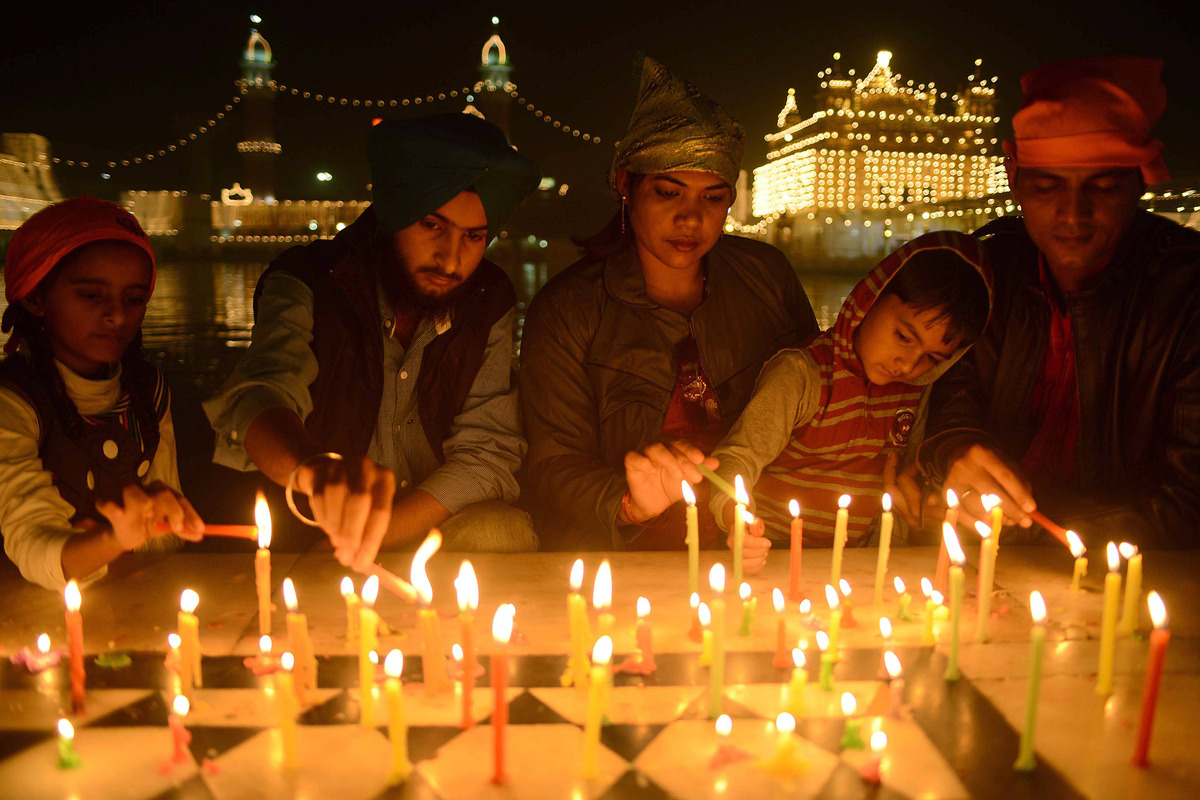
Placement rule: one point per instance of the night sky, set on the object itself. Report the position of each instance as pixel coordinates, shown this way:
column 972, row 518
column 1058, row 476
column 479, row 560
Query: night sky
column 107, row 81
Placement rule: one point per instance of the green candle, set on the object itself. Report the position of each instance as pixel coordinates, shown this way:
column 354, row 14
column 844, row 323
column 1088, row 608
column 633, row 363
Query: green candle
column 956, row 596
column 749, row 604
column 826, row 676
column 904, row 613
column 67, row 757
column 1037, row 644
column 852, row 735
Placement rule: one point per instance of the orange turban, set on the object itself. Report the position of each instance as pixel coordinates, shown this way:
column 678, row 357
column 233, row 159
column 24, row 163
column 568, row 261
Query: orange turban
column 1091, row 112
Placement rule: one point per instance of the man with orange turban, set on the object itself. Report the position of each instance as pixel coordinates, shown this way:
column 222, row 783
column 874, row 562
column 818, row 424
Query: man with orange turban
column 1082, row 400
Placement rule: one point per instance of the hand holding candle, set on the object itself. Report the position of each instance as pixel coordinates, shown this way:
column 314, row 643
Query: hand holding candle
column 1154, row 667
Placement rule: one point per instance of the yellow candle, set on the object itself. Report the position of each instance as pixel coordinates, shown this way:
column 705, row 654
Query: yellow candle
column 795, row 698
column 1108, row 623
column 393, row 666
column 835, row 619
column 189, row 642
column 602, row 599
column 739, row 526
column 991, row 502
column 467, row 588
column 885, row 546
column 601, row 655
column 347, row 589
column 927, row 590
column 581, row 630
column 1081, row 562
column 839, row 538
column 368, row 644
column 285, row 702
column 785, row 746
column 433, row 656
column 706, row 636
column 1133, row 589
column 716, row 581
column 300, row 644
column 692, row 520
column 987, row 574
column 957, row 558
column 943, row 562
column 262, row 564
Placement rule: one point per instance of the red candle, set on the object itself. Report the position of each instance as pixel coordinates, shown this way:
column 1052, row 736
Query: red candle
column 468, row 600
column 796, row 552
column 180, row 738
column 1154, row 667
column 502, row 624
column 943, row 562
column 783, row 657
column 75, row 644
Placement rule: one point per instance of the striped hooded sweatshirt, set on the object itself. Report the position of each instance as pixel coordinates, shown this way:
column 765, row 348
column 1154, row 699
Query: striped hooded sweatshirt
column 817, row 428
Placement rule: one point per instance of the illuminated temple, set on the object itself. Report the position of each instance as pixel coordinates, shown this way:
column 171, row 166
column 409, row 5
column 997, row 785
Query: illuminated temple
column 879, row 161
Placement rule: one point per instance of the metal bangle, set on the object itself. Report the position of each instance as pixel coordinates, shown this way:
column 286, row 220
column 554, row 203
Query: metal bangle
column 289, row 486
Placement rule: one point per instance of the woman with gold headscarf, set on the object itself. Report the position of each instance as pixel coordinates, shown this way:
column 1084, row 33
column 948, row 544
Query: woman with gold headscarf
column 643, row 353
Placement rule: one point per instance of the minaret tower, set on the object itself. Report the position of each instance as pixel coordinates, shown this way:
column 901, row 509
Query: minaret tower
column 492, row 97
column 258, row 146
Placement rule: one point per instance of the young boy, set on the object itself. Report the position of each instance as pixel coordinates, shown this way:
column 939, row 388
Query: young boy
column 825, row 418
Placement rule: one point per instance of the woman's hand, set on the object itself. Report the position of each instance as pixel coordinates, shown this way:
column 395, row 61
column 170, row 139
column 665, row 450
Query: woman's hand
column 352, row 502
column 656, row 475
column 149, row 512
column 755, row 547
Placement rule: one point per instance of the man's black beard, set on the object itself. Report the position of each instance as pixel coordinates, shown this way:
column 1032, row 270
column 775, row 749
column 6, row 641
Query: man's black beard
column 401, row 290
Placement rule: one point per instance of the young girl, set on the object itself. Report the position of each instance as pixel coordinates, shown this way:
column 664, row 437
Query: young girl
column 87, row 449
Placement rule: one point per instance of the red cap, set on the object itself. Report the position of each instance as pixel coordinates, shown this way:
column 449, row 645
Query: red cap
column 1091, row 112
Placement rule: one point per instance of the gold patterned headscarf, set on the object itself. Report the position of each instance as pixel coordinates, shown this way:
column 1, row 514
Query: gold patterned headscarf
column 675, row 127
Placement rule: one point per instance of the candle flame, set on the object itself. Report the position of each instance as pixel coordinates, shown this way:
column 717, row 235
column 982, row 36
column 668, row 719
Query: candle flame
column 577, row 575
column 393, row 663
column 936, row 597
column 794, row 508
column 688, row 495
column 1076, row 544
column 346, row 587
column 844, row 501
column 694, row 600
column 502, row 623
column 951, row 498
column 602, row 587
column 724, row 725
column 372, row 656
column 990, row 501
column 982, row 529
column 370, row 591
column 885, row 627
column 288, row 661
column 849, row 704
column 806, row 606
column 467, row 588
column 289, row 594
column 886, row 502
column 785, row 723
column 188, row 601
column 704, row 615
column 65, row 729
column 1114, row 557
column 264, row 644
column 1037, row 607
column 262, row 519
column 1128, row 550
column 602, row 652
column 831, row 597
column 417, row 575
column 844, row 585
column 1158, row 610
column 891, row 662
column 878, row 741
column 899, row 584
column 180, row 705
column 643, row 607
column 926, row 587
column 739, row 491
column 777, row 599
column 952, row 546
column 43, row 643
column 72, row 597
column 747, row 517
column 456, row 651
column 716, row 578
column 744, row 591
column 822, row 641
column 798, row 658
column 173, row 641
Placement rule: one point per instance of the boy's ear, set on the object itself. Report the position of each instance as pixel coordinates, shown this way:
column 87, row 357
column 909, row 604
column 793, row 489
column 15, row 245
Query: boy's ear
column 34, row 304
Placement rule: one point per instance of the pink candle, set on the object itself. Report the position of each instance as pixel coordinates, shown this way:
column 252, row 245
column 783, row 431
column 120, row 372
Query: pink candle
column 502, row 625
column 75, row 644
column 796, row 553
column 180, row 737
column 1154, row 667
column 871, row 771
column 645, row 636
column 782, row 658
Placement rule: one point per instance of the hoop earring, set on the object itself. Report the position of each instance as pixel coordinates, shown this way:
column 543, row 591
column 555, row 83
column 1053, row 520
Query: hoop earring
column 622, row 216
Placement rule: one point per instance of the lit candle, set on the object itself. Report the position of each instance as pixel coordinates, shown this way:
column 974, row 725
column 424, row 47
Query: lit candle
column 839, row 538
column 433, row 656
column 739, row 526
column 189, row 642
column 725, row 754
column 871, row 771
column 716, row 581
column 68, row 758
column 943, row 562
column 262, row 664
column 987, row 576
column 368, row 644
column 835, row 620
column 694, row 631
column 992, row 503
column 1154, row 667
column 300, row 644
column 645, row 636
column 1133, row 589
column 847, row 606
column 601, row 655
column 1037, row 645
column 693, row 538
column 467, row 588
column 1081, row 562
column 1108, row 623
column 347, row 590
column 885, row 633
column 602, row 599
column 180, row 738
column 581, row 630
column 262, row 563
column 785, row 747
column 885, row 546
column 927, row 590
column 795, row 697
column 73, row 600
column 502, row 625
column 749, row 604
column 904, row 601
column 825, row 679
column 796, row 553
column 852, row 735
column 891, row 663
column 393, row 666
column 706, row 637
column 285, row 703
column 781, row 660
column 957, row 579
column 171, row 662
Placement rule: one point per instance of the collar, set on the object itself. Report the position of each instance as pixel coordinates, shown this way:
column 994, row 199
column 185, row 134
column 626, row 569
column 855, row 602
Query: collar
column 91, row 397
column 442, row 321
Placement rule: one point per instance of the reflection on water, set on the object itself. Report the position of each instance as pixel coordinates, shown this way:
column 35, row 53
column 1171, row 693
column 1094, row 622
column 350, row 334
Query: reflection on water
column 200, row 317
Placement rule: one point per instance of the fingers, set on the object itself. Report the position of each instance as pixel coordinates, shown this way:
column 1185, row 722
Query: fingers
column 754, row 554
column 356, row 506
column 672, row 468
column 889, row 468
column 383, row 489
column 986, row 471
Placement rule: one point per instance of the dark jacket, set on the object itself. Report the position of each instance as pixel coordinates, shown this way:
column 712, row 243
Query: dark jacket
column 348, row 343
column 598, row 370
column 1137, row 348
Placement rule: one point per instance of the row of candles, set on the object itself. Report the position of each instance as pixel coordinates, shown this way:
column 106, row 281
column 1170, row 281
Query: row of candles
column 363, row 622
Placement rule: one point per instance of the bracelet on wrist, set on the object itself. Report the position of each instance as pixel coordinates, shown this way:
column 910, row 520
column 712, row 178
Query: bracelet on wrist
column 290, row 485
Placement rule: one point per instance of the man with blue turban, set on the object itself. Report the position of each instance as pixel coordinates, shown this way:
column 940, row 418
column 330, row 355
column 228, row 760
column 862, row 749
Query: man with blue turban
column 378, row 380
